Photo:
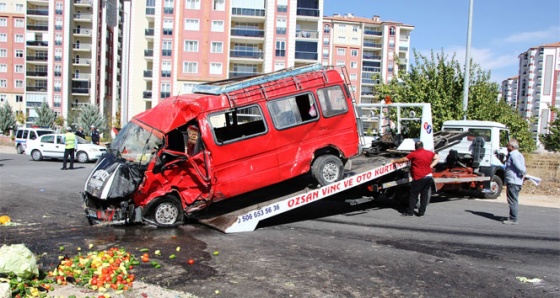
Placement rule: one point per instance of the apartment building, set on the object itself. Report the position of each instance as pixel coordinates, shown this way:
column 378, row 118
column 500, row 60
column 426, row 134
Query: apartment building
column 12, row 60
column 372, row 50
column 509, row 91
column 127, row 55
column 539, row 86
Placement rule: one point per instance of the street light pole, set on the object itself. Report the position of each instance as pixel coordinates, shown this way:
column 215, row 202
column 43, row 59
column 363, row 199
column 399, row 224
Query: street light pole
column 467, row 63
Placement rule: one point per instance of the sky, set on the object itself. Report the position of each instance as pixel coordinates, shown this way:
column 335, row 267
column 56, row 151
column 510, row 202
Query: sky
column 501, row 30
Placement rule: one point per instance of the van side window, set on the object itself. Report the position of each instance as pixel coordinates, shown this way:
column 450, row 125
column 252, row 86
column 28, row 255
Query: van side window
column 25, row 133
column 48, row 139
column 332, row 101
column 294, row 110
column 240, row 123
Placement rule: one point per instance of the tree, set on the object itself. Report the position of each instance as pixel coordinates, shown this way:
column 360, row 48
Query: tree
column 439, row 80
column 89, row 116
column 551, row 140
column 7, row 119
column 45, row 116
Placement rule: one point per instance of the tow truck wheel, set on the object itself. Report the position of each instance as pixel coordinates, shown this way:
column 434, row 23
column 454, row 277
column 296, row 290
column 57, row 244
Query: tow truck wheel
column 327, row 169
column 496, row 186
column 167, row 212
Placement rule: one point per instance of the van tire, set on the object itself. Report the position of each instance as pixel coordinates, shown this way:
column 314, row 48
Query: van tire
column 36, row 155
column 496, row 186
column 167, row 212
column 19, row 149
column 327, row 169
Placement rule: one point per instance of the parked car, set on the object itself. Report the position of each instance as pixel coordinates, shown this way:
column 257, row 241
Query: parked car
column 25, row 134
column 52, row 146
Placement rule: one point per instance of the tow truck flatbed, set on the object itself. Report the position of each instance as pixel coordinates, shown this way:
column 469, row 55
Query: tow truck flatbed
column 288, row 196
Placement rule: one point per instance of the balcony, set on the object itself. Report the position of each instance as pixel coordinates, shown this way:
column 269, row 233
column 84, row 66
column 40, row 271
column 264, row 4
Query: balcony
column 371, row 57
column 87, row 17
column 308, row 12
column 32, row 104
column 372, row 44
column 307, row 34
column 165, row 73
column 80, row 90
column 150, row 11
column 82, row 2
column 148, row 74
column 36, row 88
column 306, row 55
column 149, row 53
column 246, row 32
column 372, row 32
column 38, row 27
column 79, row 46
column 149, row 32
column 165, row 94
column 38, row 43
column 147, row 94
column 250, row 12
column 166, row 53
column 81, row 61
column 30, row 73
column 38, row 12
column 258, row 54
column 37, row 58
column 168, row 10
column 82, row 32
column 81, row 77
column 241, row 74
column 403, row 49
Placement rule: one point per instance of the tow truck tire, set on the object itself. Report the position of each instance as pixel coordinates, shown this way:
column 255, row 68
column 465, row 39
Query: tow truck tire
column 496, row 186
column 327, row 169
column 167, row 212
column 36, row 155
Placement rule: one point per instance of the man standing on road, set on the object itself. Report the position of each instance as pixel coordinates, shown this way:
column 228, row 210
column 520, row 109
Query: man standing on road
column 515, row 171
column 70, row 145
column 421, row 164
column 80, row 133
column 94, row 135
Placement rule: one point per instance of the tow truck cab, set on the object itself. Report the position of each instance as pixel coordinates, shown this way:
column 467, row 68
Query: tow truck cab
column 225, row 139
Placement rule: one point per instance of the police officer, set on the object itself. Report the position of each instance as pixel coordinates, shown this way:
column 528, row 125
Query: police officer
column 71, row 141
column 94, row 135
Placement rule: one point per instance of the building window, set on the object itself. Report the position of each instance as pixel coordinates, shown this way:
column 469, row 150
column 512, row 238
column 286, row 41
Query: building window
column 19, row 68
column 354, row 53
column 19, row 38
column 280, row 48
column 2, row 97
column 341, row 52
column 340, row 63
column 327, row 29
column 392, row 31
column 19, row 98
column 57, row 101
column 20, row 23
column 353, row 64
column 4, row 53
column 192, row 24
column 3, row 22
column 165, row 90
column 215, row 68
column 217, row 47
column 219, row 5
column 19, row 54
column 355, row 28
column 58, row 39
column 166, row 48
column 167, row 27
column 168, row 6
column 191, row 46
column 3, row 37
column 58, row 24
column 3, row 68
column 3, row 83
column 353, row 77
column 166, row 69
column 217, row 26
column 281, row 26
column 2, row 6
column 279, row 66
column 192, row 4
column 19, row 7
column 18, row 84
column 190, row 67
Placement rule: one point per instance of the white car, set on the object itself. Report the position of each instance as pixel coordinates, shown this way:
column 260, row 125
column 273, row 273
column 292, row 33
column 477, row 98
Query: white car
column 52, row 146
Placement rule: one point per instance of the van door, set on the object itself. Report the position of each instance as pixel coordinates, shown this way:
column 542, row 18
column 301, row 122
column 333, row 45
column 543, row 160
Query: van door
column 242, row 150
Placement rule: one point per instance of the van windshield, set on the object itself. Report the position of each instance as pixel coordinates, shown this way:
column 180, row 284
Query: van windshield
column 135, row 144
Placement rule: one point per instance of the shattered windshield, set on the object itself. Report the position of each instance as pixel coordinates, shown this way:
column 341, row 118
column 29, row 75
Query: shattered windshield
column 135, row 144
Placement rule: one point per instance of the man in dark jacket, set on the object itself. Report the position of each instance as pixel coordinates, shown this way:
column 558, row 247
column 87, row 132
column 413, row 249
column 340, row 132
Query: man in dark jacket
column 80, row 133
column 94, row 135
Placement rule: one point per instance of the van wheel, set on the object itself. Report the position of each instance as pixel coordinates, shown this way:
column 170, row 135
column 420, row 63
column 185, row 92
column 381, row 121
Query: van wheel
column 82, row 157
column 19, row 149
column 167, row 212
column 496, row 186
column 36, row 155
column 327, row 169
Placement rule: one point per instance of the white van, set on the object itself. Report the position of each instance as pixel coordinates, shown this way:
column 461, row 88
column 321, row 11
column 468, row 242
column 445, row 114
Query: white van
column 24, row 134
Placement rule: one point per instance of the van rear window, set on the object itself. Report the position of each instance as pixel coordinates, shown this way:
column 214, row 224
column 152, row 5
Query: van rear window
column 332, row 101
column 237, row 124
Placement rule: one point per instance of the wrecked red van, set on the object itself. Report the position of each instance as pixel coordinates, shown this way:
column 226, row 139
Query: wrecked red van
column 225, row 139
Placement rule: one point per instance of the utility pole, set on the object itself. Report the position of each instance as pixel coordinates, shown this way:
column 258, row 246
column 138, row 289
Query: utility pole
column 467, row 64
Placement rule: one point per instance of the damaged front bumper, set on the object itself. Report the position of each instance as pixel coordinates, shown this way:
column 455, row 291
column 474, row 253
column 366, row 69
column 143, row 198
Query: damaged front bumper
column 99, row 212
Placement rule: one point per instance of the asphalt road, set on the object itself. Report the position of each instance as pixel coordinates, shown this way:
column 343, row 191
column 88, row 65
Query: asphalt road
column 325, row 249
